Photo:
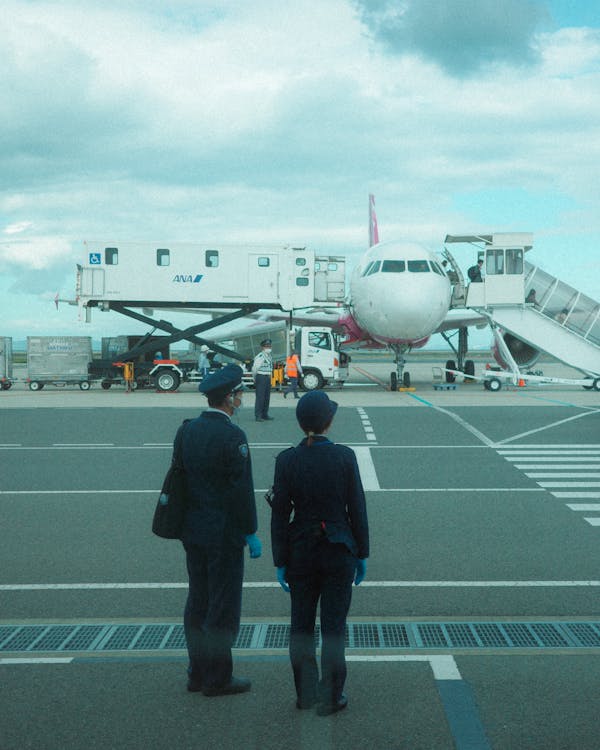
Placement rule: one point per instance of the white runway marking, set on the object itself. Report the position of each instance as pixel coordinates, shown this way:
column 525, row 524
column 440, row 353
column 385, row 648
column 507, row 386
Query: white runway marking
column 584, row 506
column 367, row 469
column 275, row 585
column 39, row 660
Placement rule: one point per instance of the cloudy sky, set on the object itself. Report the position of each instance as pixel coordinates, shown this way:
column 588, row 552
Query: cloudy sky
column 239, row 120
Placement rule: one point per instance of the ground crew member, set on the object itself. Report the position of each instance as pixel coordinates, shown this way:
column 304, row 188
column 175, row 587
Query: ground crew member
column 293, row 368
column 203, row 361
column 220, row 520
column 474, row 272
column 321, row 552
column 262, row 371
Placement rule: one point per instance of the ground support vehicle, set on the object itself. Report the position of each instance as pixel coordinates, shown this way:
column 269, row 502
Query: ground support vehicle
column 6, row 373
column 320, row 357
column 58, row 361
column 494, row 379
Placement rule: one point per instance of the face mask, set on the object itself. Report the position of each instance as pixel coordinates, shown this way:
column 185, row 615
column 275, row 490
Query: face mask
column 268, row 351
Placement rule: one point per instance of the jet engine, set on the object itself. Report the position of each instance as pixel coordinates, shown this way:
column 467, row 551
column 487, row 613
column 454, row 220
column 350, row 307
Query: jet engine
column 523, row 353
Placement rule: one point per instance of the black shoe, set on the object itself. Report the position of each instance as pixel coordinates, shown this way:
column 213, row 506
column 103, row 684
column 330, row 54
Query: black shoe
column 304, row 704
column 284, row 394
column 194, row 687
column 268, row 419
column 235, row 685
column 259, row 419
column 296, row 396
column 324, row 709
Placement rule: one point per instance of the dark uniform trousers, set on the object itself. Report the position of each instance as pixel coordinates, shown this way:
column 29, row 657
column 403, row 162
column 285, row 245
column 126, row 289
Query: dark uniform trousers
column 212, row 613
column 330, row 573
column 262, row 384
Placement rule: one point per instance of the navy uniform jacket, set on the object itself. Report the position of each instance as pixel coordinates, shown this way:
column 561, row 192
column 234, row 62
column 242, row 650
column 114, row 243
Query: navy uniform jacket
column 321, row 485
column 216, row 459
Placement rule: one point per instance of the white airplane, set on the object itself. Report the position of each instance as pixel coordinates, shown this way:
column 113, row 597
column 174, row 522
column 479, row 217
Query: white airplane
column 399, row 296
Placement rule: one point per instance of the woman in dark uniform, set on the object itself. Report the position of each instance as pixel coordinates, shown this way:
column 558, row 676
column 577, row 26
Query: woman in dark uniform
column 321, row 552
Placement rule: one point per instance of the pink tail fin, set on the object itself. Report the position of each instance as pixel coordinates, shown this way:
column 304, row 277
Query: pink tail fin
column 373, row 231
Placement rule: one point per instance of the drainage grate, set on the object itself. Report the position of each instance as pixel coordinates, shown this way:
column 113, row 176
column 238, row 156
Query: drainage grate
column 369, row 636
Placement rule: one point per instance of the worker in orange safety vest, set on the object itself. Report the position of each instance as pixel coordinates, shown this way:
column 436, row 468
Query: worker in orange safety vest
column 292, row 370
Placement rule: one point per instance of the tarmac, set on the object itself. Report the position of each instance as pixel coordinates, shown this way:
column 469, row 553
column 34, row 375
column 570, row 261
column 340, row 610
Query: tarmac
column 478, row 625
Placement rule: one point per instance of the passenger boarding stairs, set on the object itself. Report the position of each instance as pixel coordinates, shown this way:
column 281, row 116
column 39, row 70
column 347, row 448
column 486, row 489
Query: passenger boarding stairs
column 542, row 311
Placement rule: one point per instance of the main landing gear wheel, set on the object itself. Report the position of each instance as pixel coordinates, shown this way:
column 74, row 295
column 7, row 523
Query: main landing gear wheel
column 469, row 369
column 450, row 365
column 406, row 379
column 393, row 381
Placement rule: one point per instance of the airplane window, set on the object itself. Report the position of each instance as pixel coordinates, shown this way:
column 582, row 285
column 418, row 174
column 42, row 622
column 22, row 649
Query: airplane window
column 301, row 262
column 368, row 268
column 514, row 260
column 211, row 258
column 321, row 340
column 163, row 257
column 374, row 268
column 393, row 266
column 494, row 264
column 418, row 266
column 264, row 262
column 111, row 256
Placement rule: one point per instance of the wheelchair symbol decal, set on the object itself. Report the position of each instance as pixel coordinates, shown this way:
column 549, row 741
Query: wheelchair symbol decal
column 95, row 259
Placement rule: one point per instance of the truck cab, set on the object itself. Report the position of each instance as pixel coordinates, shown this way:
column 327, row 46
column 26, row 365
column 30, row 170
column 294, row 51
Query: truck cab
column 320, row 358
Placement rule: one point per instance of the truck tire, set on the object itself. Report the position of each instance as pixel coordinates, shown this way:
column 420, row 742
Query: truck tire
column 167, row 380
column 6, row 385
column 311, row 381
column 35, row 386
column 85, row 385
column 596, row 384
column 106, row 384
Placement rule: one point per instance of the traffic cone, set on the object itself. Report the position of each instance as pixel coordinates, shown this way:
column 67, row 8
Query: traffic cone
column 521, row 383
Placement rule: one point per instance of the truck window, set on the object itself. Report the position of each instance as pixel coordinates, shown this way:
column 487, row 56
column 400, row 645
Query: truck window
column 514, row 260
column 302, row 262
column 163, row 257
column 301, row 281
column 319, row 339
column 332, row 266
column 111, row 256
column 211, row 258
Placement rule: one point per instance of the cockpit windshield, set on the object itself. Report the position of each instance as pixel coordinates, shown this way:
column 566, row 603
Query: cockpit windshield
column 393, row 266
column 418, row 266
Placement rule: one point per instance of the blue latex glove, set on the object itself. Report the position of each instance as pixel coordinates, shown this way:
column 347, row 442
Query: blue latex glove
column 254, row 545
column 282, row 579
column 361, row 572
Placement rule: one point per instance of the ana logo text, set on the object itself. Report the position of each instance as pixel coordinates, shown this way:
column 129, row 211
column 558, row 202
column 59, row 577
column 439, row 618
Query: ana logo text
column 187, row 278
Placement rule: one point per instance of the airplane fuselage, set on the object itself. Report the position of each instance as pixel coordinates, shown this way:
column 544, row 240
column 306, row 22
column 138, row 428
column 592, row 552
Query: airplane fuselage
column 399, row 293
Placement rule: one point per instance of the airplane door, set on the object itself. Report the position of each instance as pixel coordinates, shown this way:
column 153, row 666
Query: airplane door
column 263, row 277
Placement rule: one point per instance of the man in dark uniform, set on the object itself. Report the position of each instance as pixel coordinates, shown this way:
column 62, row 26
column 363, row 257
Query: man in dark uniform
column 321, row 552
column 221, row 519
column 262, row 370
column 474, row 272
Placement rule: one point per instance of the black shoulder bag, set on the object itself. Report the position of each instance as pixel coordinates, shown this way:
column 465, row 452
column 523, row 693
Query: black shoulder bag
column 172, row 504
